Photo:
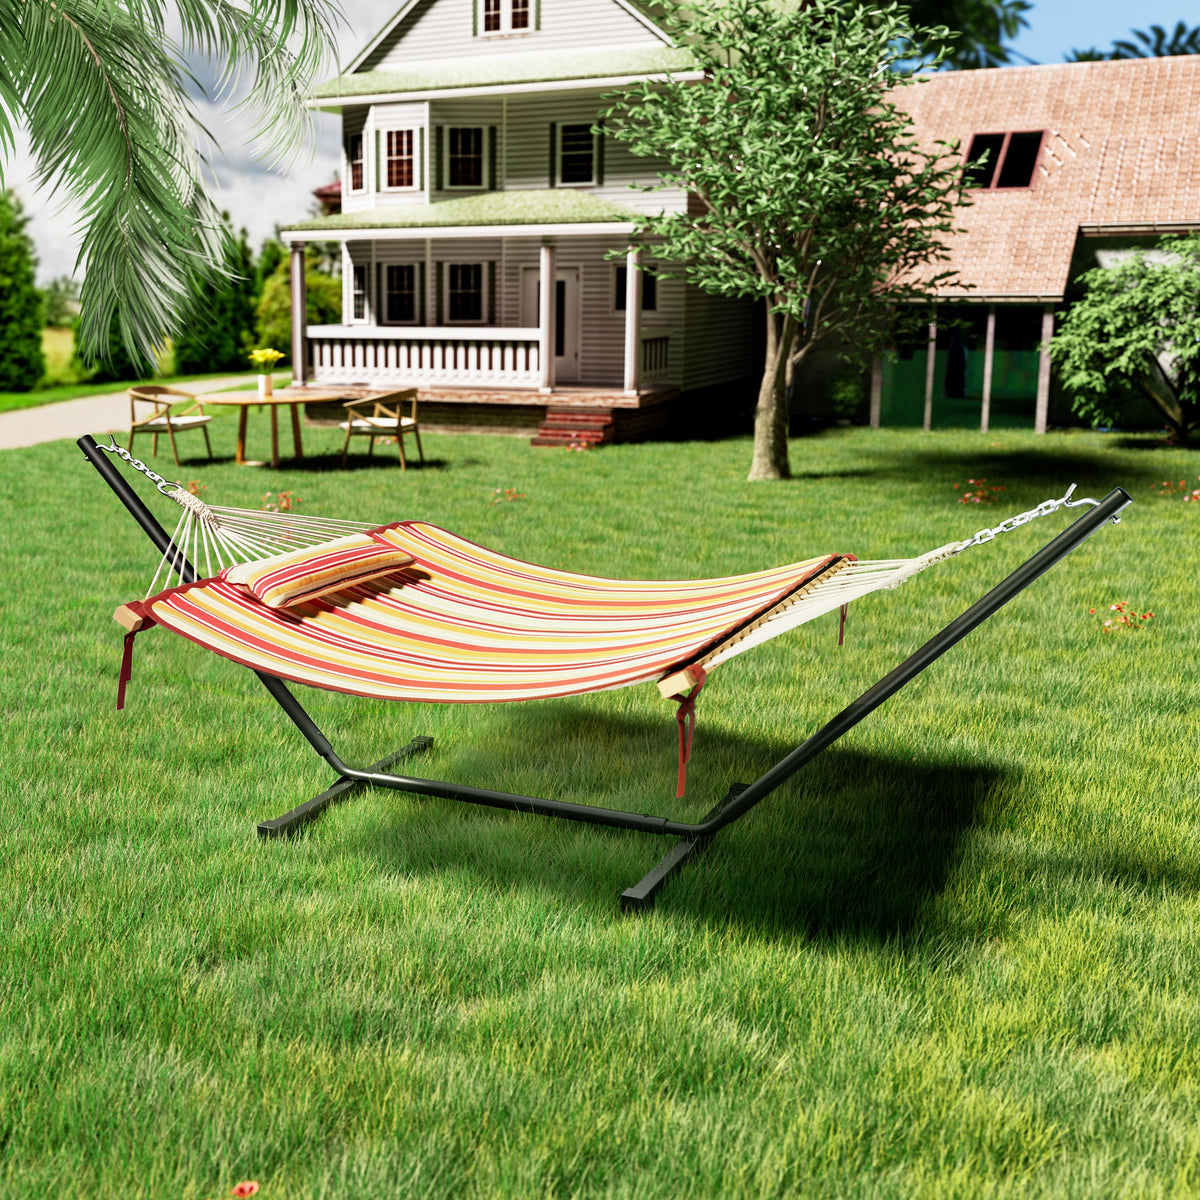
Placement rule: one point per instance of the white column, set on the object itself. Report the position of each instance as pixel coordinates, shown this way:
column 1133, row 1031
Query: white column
column 546, row 315
column 633, row 321
column 1042, row 408
column 877, row 391
column 930, row 371
column 989, row 358
column 299, row 316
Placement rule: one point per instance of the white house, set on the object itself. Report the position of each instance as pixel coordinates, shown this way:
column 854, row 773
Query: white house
column 480, row 213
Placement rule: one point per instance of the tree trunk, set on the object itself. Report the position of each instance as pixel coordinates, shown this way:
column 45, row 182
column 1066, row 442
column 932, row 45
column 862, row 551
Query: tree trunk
column 770, row 459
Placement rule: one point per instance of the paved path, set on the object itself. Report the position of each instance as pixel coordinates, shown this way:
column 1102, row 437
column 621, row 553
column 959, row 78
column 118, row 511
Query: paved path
column 89, row 414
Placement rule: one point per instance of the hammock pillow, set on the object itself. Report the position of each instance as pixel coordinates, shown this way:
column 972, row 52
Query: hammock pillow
column 302, row 575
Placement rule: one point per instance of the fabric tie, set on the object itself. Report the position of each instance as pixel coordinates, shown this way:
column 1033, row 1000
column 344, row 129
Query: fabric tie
column 127, row 663
column 685, row 718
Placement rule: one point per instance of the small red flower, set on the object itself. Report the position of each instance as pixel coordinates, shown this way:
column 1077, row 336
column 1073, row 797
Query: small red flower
column 246, row 1188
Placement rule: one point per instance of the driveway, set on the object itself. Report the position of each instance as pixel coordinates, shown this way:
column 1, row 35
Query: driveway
column 89, row 414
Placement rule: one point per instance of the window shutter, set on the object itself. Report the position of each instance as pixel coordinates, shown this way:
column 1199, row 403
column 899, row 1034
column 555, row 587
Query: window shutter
column 491, row 179
column 437, row 158
column 491, row 299
column 422, row 309
column 537, row 14
column 437, row 292
column 421, row 158
column 474, row 18
column 600, row 156
column 377, row 309
column 553, row 153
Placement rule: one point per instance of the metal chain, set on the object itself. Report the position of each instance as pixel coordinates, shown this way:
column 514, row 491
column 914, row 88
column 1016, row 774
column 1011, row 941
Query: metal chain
column 1043, row 510
column 137, row 464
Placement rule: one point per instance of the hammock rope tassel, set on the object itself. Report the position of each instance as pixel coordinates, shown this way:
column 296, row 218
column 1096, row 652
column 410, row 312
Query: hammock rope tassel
column 685, row 718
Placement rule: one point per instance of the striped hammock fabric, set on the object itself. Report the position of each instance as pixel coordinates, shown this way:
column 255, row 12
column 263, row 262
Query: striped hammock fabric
column 463, row 624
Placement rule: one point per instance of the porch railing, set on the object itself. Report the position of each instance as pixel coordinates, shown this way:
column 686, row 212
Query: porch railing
column 656, row 349
column 434, row 356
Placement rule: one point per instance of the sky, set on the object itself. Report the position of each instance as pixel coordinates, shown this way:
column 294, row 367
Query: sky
column 258, row 200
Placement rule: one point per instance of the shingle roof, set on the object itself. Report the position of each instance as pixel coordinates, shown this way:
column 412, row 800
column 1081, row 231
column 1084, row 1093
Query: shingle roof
column 1123, row 150
column 549, row 206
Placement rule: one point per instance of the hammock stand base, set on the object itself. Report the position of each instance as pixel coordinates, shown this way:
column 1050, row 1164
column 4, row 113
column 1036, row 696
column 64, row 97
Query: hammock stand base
column 694, row 836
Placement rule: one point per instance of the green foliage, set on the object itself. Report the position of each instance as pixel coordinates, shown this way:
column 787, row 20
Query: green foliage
column 1155, row 44
column 274, row 315
column 978, row 29
column 60, row 300
column 22, row 363
column 223, row 321
column 103, row 90
column 116, row 364
column 1136, row 330
column 814, row 195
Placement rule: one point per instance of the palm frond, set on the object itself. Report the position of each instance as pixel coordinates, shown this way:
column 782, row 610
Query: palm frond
column 104, row 93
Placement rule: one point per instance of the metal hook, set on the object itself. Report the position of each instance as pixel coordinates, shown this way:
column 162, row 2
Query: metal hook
column 1067, row 502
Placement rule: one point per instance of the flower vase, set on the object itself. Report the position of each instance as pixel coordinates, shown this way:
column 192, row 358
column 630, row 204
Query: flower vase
column 266, row 385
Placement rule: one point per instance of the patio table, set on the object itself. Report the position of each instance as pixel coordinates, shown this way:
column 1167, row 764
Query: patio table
column 293, row 397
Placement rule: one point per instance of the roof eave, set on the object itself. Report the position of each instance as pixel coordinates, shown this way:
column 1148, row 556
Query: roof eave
column 337, row 103
column 421, row 232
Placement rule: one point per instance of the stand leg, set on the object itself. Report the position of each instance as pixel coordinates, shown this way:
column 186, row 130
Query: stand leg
column 274, row 437
column 643, row 893
column 278, row 826
column 239, row 455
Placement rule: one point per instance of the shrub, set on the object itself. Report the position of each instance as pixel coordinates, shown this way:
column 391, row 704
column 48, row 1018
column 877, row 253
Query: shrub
column 22, row 364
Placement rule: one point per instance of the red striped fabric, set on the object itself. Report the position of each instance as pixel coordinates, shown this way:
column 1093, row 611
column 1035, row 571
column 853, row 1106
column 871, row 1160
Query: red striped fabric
column 464, row 624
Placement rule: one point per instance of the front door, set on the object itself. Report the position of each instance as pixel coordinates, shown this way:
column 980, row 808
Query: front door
column 566, row 317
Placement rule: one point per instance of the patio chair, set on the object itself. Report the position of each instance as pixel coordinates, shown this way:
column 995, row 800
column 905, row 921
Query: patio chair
column 154, row 402
column 385, row 420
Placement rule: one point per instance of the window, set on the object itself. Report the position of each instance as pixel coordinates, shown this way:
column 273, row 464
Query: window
column 398, row 160
column 464, row 156
column 649, row 291
column 359, row 293
column 1003, row 160
column 577, row 155
column 505, row 16
column 400, row 294
column 354, row 161
column 464, row 292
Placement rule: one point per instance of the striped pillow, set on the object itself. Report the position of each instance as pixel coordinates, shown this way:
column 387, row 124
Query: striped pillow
column 302, row 575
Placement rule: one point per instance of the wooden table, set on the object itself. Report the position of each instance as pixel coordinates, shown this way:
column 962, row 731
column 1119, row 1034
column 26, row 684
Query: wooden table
column 293, row 397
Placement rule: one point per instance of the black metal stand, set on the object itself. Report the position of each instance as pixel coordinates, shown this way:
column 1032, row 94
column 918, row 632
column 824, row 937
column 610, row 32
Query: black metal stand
column 694, row 835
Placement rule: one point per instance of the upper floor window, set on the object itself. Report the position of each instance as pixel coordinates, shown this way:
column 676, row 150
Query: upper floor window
column 576, row 155
column 464, row 156
column 505, row 16
column 399, row 160
column 1003, row 160
column 354, row 162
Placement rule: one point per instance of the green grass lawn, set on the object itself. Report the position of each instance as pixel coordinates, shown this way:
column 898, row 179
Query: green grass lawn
column 958, row 955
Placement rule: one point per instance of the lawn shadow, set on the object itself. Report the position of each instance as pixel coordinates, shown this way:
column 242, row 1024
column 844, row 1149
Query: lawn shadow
column 854, row 844
column 381, row 461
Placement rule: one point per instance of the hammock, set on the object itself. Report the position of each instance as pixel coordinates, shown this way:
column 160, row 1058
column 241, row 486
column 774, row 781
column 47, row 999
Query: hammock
column 408, row 611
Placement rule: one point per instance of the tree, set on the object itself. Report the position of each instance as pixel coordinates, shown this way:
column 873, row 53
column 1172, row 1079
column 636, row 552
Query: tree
column 274, row 318
column 115, row 363
column 60, row 298
column 22, row 364
column 1137, row 328
column 103, row 90
column 215, row 339
column 1154, row 44
column 978, row 29
column 813, row 193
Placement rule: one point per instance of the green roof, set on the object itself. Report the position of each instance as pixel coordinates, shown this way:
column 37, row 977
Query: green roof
column 549, row 206
column 499, row 69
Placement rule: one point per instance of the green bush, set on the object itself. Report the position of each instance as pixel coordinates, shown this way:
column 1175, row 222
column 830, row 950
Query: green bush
column 216, row 336
column 22, row 363
column 324, row 305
